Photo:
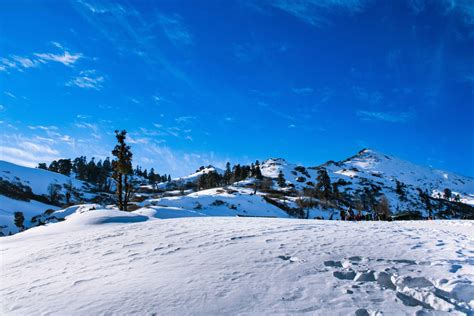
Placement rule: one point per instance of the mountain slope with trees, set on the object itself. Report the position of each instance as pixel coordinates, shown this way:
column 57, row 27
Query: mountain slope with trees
column 368, row 185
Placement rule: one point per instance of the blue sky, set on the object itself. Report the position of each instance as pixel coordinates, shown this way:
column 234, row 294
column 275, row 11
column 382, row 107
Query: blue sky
column 205, row 82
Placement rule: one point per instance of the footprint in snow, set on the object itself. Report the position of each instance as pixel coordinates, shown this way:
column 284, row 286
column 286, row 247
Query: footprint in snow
column 290, row 258
column 344, row 275
column 455, row 268
column 331, row 263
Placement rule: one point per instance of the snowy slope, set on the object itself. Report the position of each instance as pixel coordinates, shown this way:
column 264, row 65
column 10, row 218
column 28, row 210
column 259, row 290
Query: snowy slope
column 9, row 206
column 369, row 168
column 37, row 179
column 375, row 165
column 110, row 262
column 217, row 202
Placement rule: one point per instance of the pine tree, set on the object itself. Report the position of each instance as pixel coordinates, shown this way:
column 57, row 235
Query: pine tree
column 457, row 198
column 258, row 172
column 447, row 194
column 19, row 220
column 236, row 174
column 281, row 180
column 43, row 166
column 122, row 167
column 227, row 174
column 324, row 184
column 425, row 198
column 152, row 177
column 64, row 166
column 400, row 190
column 53, row 166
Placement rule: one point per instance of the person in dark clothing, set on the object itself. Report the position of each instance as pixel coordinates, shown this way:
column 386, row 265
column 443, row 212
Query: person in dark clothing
column 343, row 215
column 351, row 214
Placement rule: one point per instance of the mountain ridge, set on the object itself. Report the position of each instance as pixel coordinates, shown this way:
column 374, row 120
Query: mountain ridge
column 359, row 182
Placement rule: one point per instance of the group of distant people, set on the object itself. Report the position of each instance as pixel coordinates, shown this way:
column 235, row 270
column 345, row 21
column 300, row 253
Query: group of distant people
column 351, row 216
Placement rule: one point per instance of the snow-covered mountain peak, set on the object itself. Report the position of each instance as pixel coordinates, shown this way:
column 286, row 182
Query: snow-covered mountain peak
column 200, row 172
column 272, row 167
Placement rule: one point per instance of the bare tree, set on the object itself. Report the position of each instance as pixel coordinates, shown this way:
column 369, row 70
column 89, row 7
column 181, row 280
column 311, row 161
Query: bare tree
column 53, row 192
column 383, row 208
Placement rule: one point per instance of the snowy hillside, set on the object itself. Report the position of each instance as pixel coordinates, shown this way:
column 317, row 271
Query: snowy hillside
column 375, row 167
column 218, row 202
column 370, row 169
column 26, row 190
column 378, row 167
column 37, row 179
column 111, row 262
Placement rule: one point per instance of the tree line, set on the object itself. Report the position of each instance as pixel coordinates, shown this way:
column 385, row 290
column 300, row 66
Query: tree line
column 99, row 172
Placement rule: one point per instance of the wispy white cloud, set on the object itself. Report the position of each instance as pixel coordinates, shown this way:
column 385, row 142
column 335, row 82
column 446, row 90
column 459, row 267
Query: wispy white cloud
column 87, row 79
column 175, row 30
column 303, row 91
column 131, row 33
column 135, row 100
column 26, row 150
column 9, row 94
column 366, row 96
column 314, row 12
column 184, row 119
column 461, row 8
column 25, row 62
column 20, row 63
column 417, row 5
column 66, row 58
column 176, row 162
column 42, row 127
column 103, row 7
column 93, row 127
column 402, row 117
column 137, row 140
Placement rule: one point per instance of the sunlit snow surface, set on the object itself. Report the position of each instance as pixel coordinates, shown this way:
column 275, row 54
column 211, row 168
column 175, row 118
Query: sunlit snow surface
column 111, row 262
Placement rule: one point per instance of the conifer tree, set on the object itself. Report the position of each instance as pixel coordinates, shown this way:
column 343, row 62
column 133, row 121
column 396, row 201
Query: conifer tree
column 324, row 184
column 237, row 176
column 43, row 166
column 281, row 180
column 65, row 166
column 152, row 177
column 227, row 174
column 447, row 194
column 122, row 167
column 425, row 198
column 258, row 172
column 19, row 220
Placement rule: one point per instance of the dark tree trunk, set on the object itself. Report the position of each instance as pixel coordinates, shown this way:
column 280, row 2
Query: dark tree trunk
column 127, row 193
column 119, row 192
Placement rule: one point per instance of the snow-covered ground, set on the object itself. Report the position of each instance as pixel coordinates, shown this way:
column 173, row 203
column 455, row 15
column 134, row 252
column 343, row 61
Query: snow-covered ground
column 111, row 262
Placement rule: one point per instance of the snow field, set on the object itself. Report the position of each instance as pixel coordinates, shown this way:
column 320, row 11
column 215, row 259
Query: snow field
column 105, row 262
